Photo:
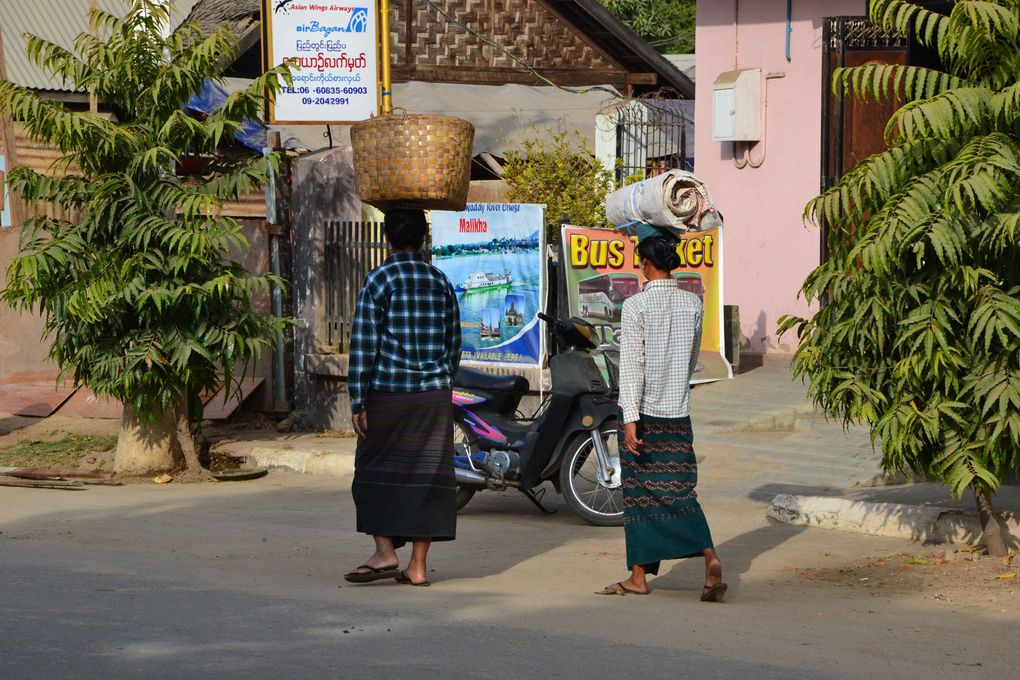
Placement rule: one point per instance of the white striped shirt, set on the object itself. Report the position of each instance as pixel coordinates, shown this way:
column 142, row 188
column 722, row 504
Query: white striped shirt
column 661, row 337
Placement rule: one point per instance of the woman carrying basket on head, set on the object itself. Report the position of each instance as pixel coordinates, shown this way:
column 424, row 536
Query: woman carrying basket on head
column 661, row 333
column 405, row 350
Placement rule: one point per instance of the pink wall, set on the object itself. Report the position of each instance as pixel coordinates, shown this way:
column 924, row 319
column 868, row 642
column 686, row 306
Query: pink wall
column 768, row 249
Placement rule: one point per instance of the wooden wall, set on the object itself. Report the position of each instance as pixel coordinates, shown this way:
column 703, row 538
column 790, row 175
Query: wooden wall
column 427, row 48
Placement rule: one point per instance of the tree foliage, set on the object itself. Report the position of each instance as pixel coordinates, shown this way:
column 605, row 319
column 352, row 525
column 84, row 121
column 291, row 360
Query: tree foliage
column 918, row 334
column 561, row 171
column 668, row 24
column 141, row 299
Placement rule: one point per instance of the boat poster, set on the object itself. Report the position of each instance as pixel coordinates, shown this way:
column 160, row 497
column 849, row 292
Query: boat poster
column 493, row 255
column 602, row 270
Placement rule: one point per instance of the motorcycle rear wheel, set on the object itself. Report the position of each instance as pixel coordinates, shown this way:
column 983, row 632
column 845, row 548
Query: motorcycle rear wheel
column 590, row 499
column 464, row 496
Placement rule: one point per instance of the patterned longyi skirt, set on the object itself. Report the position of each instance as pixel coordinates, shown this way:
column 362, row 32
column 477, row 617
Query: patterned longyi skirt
column 404, row 485
column 662, row 517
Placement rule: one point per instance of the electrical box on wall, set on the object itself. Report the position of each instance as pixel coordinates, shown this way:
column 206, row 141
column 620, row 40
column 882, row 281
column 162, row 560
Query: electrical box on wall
column 736, row 106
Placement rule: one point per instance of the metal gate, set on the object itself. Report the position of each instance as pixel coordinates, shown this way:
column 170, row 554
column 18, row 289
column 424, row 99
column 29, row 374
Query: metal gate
column 651, row 137
column 352, row 250
column 852, row 130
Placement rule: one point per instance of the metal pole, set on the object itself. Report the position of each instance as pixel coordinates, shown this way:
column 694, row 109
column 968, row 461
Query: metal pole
column 279, row 376
column 789, row 27
column 384, row 30
column 9, row 140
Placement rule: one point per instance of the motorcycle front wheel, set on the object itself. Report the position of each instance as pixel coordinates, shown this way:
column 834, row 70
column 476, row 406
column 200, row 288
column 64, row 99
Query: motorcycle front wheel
column 594, row 502
column 462, row 446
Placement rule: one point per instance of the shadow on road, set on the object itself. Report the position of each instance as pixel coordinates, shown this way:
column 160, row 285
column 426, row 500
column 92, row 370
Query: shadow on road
column 737, row 555
column 766, row 492
column 9, row 423
column 245, row 581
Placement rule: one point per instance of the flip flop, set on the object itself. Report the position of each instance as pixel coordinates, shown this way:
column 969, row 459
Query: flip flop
column 402, row 579
column 713, row 593
column 373, row 574
column 619, row 589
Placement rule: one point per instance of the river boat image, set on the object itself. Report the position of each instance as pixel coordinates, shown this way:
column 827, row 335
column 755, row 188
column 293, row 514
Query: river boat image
column 485, row 281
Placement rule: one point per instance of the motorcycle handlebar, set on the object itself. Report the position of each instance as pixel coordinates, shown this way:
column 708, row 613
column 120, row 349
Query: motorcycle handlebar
column 554, row 321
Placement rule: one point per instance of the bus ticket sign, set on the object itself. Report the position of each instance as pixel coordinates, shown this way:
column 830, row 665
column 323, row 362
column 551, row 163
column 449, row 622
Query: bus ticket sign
column 602, row 270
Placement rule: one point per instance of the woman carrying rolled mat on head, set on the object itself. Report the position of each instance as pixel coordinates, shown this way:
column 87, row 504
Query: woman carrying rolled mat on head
column 661, row 334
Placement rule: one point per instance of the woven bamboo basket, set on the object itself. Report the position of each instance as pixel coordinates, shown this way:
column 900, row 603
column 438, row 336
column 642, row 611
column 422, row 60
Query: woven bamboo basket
column 417, row 159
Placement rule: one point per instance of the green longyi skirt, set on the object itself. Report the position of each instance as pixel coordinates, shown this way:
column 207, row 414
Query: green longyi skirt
column 662, row 517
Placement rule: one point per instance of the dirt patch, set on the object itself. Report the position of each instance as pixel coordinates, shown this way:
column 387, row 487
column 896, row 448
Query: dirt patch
column 16, row 428
column 240, row 423
column 959, row 579
column 65, row 452
column 218, row 461
column 336, row 434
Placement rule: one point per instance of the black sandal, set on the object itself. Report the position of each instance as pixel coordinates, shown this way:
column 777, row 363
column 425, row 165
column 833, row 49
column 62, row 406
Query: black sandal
column 403, row 579
column 713, row 593
column 620, row 589
column 373, row 574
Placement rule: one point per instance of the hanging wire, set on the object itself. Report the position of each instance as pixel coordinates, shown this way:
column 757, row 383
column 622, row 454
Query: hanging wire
column 670, row 41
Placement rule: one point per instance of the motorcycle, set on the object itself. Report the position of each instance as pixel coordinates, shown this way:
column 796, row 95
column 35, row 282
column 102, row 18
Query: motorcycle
column 571, row 440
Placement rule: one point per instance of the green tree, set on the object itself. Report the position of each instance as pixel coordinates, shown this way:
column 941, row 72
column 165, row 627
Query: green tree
column 140, row 298
column 561, row 171
column 918, row 334
column 667, row 24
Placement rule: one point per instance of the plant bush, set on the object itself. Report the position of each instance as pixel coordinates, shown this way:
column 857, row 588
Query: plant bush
column 140, row 297
column 561, row 171
column 918, row 334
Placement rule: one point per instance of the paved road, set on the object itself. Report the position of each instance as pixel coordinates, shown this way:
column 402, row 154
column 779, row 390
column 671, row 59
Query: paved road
column 244, row 580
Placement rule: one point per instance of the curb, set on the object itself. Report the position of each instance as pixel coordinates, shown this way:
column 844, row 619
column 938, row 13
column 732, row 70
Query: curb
column 779, row 420
column 926, row 523
column 328, row 463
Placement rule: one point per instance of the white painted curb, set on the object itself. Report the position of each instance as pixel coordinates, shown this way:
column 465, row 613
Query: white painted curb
column 328, row 463
column 930, row 524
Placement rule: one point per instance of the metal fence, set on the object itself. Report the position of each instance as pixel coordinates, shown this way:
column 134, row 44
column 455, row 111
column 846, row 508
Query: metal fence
column 352, row 250
column 652, row 137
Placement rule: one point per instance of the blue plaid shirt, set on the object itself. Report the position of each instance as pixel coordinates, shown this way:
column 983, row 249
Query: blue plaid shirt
column 406, row 335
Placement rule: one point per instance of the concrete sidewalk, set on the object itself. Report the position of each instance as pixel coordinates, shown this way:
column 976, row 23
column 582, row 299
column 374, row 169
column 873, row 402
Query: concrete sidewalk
column 766, row 398
column 922, row 512
column 311, row 453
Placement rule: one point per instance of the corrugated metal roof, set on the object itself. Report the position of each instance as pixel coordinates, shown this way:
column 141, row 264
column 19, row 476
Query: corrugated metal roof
column 684, row 62
column 60, row 22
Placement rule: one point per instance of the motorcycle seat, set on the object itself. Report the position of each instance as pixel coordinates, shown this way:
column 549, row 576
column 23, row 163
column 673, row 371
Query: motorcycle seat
column 474, row 379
